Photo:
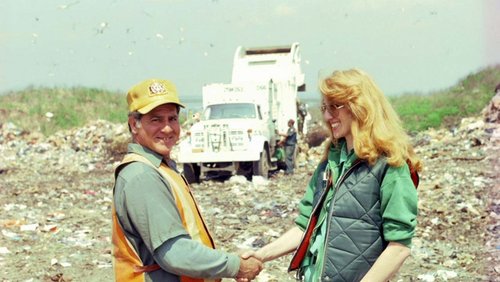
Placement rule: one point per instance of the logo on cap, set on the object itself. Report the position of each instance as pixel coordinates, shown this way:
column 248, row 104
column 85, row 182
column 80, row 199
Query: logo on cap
column 157, row 88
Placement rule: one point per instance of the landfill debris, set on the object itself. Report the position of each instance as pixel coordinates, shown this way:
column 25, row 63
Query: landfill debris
column 56, row 191
column 4, row 250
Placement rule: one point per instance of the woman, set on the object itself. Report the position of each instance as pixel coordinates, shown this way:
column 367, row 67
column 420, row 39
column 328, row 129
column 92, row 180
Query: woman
column 358, row 215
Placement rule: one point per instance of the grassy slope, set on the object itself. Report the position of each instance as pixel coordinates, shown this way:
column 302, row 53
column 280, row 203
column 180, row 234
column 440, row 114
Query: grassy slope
column 73, row 107
column 447, row 107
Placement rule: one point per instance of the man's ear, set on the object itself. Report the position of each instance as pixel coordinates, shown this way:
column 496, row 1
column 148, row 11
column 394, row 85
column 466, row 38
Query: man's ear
column 131, row 123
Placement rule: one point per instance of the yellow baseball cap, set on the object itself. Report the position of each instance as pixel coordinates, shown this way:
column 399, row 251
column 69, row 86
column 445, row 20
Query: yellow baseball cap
column 151, row 93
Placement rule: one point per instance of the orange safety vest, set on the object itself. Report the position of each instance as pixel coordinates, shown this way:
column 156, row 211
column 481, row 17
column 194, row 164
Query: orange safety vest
column 127, row 263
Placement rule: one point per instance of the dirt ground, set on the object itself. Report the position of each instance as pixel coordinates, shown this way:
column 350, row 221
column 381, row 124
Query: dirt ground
column 55, row 201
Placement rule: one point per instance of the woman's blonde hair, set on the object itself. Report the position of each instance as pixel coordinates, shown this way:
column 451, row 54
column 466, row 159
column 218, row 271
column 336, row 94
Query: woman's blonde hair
column 376, row 127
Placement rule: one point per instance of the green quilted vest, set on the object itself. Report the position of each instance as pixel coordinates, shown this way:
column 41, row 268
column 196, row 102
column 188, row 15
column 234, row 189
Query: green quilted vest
column 354, row 232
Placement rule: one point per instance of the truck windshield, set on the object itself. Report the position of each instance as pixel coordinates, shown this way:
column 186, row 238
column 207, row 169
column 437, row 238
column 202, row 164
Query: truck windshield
column 237, row 110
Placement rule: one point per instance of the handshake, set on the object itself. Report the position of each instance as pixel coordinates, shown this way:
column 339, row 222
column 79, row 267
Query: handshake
column 251, row 264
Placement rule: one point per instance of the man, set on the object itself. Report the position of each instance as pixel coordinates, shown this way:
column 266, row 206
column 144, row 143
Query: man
column 158, row 231
column 301, row 113
column 289, row 142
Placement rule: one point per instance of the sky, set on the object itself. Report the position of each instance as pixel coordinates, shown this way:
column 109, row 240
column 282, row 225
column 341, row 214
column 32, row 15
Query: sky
column 406, row 45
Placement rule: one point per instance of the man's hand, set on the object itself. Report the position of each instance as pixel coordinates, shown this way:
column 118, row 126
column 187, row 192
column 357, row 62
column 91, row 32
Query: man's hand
column 245, row 254
column 249, row 269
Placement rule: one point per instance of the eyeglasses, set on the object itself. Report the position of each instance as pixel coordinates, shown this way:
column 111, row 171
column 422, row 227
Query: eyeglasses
column 331, row 108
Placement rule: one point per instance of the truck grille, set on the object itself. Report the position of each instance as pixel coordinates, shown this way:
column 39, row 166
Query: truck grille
column 217, row 138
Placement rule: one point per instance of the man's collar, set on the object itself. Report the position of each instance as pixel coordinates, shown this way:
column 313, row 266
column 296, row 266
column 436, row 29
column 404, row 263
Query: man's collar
column 151, row 155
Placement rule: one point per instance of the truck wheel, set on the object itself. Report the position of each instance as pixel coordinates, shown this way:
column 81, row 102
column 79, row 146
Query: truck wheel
column 192, row 173
column 245, row 169
column 261, row 167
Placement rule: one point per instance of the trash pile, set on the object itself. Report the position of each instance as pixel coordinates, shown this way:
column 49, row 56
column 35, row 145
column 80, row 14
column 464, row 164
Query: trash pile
column 55, row 196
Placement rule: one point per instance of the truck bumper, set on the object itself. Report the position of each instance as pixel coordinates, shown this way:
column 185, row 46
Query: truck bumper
column 186, row 156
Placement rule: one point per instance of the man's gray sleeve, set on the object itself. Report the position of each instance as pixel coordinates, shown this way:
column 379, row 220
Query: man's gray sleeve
column 183, row 256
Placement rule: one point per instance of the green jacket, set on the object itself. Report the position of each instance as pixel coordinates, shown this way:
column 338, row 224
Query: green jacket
column 392, row 211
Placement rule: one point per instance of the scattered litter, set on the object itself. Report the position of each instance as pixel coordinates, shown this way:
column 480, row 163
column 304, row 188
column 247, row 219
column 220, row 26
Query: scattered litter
column 56, row 195
column 28, row 227
column 4, row 250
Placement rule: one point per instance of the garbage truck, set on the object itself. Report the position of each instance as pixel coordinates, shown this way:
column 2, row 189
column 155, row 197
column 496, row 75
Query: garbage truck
column 237, row 132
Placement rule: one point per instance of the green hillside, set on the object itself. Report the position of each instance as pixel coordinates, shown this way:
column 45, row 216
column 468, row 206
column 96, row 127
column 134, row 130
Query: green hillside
column 447, row 107
column 51, row 109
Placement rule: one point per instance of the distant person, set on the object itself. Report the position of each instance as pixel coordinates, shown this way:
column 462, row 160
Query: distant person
column 307, row 121
column 301, row 113
column 158, row 231
column 358, row 214
column 279, row 153
column 289, row 142
column 492, row 111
